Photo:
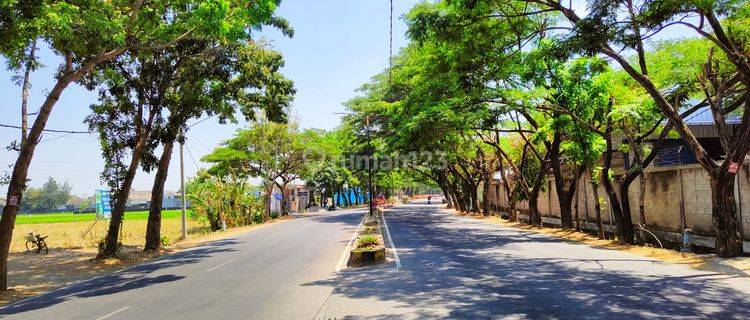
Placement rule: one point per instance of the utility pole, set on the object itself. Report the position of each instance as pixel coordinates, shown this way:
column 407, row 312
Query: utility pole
column 369, row 160
column 369, row 163
column 182, row 184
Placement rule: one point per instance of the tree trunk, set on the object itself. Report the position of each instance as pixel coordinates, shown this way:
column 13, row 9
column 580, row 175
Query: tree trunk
column 578, row 217
column 566, row 212
column 565, row 198
column 456, row 203
column 269, row 198
column 447, row 197
column 111, row 244
column 17, row 183
column 642, row 205
column 284, row 198
column 153, row 228
column 620, row 208
column 513, row 215
column 623, row 206
column 535, row 218
column 462, row 203
column 598, row 211
column 486, row 190
column 724, row 214
column 26, row 84
column 474, row 192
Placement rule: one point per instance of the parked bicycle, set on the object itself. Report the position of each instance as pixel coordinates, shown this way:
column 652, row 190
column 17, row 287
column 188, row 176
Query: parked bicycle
column 35, row 243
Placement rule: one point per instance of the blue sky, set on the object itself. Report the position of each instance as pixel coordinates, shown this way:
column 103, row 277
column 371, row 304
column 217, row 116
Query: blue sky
column 338, row 45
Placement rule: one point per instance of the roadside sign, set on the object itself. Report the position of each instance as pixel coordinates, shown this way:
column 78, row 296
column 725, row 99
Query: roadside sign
column 13, row 201
column 302, row 193
column 103, row 206
column 734, row 167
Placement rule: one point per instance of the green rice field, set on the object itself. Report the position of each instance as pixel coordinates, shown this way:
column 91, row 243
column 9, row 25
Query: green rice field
column 72, row 217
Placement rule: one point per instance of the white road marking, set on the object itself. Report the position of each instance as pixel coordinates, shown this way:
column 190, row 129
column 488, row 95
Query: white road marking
column 390, row 241
column 348, row 245
column 113, row 313
column 272, row 242
column 219, row 266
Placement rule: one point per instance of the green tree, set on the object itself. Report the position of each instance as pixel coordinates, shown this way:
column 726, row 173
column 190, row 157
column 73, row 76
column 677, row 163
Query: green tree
column 216, row 81
column 88, row 34
column 48, row 198
column 276, row 152
column 612, row 26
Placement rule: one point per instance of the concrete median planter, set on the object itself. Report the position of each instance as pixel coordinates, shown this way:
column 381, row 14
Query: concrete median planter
column 366, row 257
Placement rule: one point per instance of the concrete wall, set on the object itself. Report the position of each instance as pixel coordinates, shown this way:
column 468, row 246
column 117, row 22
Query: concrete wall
column 675, row 198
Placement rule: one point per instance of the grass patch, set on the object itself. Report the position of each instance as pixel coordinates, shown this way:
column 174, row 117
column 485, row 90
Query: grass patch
column 72, row 217
column 367, row 241
column 67, row 235
column 367, row 249
column 370, row 230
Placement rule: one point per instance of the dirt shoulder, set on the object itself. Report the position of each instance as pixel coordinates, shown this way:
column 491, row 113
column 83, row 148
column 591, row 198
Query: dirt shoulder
column 31, row 274
column 736, row 266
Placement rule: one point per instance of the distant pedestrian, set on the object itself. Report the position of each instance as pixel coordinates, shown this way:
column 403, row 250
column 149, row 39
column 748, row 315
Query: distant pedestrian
column 429, row 199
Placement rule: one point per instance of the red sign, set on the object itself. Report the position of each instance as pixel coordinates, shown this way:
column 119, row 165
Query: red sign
column 734, row 167
column 12, row 201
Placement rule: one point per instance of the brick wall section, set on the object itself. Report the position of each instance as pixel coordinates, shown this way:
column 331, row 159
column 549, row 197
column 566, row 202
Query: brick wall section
column 665, row 189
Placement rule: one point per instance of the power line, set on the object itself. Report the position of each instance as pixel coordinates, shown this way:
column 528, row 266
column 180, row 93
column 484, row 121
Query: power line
column 66, row 136
column 55, row 138
column 199, row 121
column 199, row 142
column 191, row 156
column 48, row 130
column 390, row 48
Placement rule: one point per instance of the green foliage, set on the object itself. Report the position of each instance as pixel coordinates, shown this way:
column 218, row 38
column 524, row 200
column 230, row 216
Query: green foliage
column 165, row 241
column 47, row 198
column 223, row 198
column 365, row 241
column 369, row 230
column 278, row 153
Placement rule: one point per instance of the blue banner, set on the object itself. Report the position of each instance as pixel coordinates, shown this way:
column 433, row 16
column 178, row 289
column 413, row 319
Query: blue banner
column 103, row 205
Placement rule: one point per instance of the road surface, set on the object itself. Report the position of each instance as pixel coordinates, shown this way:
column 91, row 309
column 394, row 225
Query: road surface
column 451, row 267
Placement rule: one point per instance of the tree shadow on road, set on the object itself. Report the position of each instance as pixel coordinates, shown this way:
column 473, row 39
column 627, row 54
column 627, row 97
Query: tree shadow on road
column 472, row 271
column 136, row 277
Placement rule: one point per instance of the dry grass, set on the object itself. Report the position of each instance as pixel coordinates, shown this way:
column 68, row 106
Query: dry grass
column 71, row 258
column 67, row 235
column 737, row 266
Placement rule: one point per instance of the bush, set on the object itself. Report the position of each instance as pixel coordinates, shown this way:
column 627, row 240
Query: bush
column 258, row 216
column 228, row 198
column 367, row 241
column 370, row 230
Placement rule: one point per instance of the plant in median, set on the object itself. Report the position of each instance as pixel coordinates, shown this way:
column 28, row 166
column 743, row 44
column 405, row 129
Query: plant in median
column 370, row 230
column 367, row 241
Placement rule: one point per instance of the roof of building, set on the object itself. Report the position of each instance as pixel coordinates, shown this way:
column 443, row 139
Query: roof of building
column 703, row 116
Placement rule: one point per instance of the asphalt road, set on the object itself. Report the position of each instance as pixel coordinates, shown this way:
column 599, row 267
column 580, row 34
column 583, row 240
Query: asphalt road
column 450, row 267
column 262, row 274
column 461, row 268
